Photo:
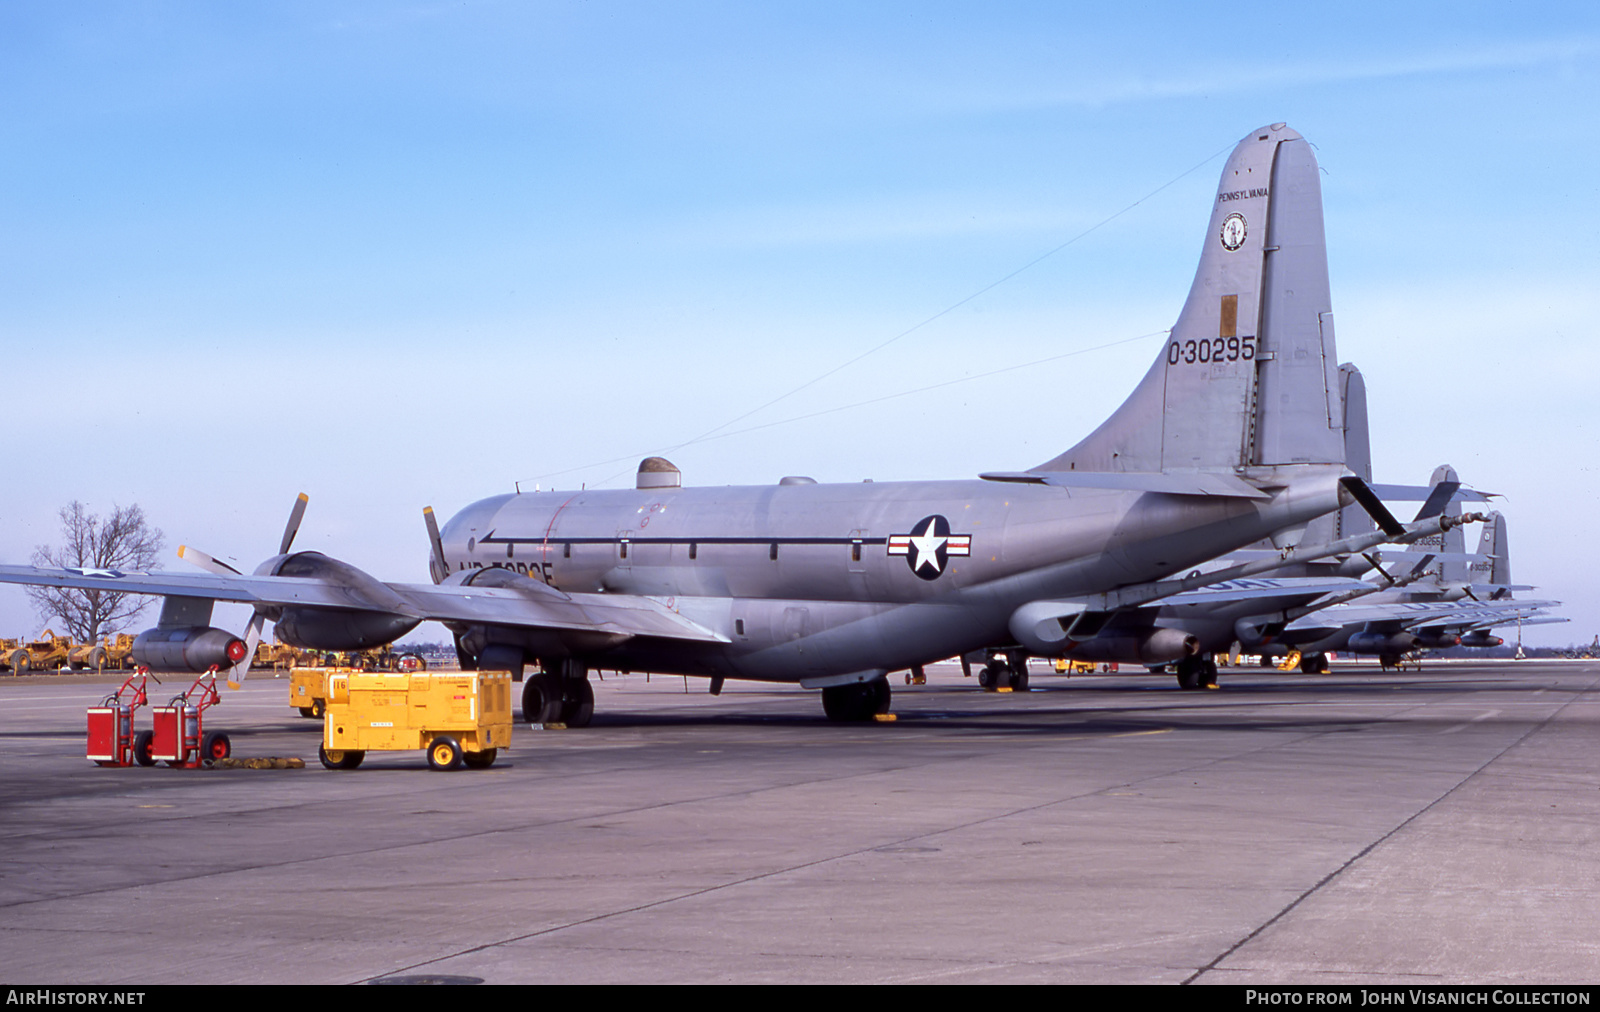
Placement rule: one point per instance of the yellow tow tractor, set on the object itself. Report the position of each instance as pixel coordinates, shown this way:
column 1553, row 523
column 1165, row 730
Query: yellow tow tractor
column 1070, row 668
column 456, row 717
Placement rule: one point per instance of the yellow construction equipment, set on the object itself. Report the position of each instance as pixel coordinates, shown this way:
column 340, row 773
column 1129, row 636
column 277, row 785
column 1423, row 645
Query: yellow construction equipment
column 456, row 717
column 47, row 653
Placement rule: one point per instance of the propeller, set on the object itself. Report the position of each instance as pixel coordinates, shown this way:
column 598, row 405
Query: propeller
column 440, row 568
column 252, row 635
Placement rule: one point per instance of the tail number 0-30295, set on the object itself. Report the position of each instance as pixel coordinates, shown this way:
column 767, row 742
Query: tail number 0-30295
column 1218, row 349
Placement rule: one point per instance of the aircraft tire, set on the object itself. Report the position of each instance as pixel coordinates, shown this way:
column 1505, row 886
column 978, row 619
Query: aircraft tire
column 1188, row 673
column 1208, row 674
column 541, row 698
column 1019, row 677
column 994, row 674
column 857, row 702
column 577, row 706
column 883, row 695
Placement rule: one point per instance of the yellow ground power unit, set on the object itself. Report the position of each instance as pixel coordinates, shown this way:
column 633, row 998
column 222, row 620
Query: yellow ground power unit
column 455, row 717
column 308, row 689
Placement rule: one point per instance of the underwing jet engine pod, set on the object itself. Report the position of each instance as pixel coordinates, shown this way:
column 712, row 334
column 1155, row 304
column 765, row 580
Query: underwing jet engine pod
column 183, row 640
column 1233, row 435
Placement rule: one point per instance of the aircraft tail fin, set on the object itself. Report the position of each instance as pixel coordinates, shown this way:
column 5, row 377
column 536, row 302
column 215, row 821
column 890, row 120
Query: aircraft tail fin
column 1249, row 374
column 1492, row 542
column 1451, row 544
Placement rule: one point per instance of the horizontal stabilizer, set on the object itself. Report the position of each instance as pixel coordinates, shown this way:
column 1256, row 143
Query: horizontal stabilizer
column 1390, row 555
column 1209, row 483
column 1420, row 493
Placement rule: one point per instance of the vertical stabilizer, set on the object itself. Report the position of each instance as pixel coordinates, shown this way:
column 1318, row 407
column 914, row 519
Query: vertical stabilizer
column 1249, row 372
column 1353, row 520
column 1496, row 569
column 1453, row 541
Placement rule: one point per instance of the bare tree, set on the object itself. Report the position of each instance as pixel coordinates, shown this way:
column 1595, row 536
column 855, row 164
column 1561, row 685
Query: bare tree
column 123, row 541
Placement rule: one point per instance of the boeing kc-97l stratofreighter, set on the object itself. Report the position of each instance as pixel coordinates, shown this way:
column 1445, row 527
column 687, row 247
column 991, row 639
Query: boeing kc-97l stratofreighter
column 1235, row 433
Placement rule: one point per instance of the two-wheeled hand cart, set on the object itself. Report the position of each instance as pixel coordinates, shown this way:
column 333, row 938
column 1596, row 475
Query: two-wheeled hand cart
column 180, row 738
column 112, row 741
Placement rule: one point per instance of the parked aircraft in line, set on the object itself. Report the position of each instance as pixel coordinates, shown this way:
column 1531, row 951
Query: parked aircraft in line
column 1455, row 602
column 1235, row 434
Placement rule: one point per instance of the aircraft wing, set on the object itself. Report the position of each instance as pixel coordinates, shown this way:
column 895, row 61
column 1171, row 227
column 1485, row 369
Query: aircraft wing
column 1263, row 588
column 535, row 606
column 1522, row 620
column 541, row 606
column 1406, row 614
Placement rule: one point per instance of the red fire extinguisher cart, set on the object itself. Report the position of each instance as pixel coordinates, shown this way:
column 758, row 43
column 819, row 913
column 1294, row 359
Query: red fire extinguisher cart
column 179, row 736
column 111, row 738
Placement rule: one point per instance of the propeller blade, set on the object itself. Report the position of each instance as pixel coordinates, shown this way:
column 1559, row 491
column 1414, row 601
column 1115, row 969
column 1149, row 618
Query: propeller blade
column 295, row 516
column 196, row 557
column 440, row 568
column 252, row 638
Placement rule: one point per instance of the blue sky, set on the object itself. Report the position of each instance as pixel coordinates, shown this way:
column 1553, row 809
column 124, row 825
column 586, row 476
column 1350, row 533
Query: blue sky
column 397, row 255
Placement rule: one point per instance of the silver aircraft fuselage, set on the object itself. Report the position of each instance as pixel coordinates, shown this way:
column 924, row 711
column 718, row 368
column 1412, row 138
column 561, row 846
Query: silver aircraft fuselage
column 809, row 582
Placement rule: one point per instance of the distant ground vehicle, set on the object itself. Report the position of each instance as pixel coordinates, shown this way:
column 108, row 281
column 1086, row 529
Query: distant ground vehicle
column 47, row 653
column 278, row 656
column 115, row 653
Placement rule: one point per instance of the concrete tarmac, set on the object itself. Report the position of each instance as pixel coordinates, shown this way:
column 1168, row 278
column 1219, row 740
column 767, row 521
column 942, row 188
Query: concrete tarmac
column 1422, row 828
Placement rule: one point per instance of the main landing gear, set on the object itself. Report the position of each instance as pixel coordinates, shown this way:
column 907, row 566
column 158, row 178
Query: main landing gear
column 1314, row 664
column 1005, row 672
column 1197, row 672
column 560, row 694
column 858, row 701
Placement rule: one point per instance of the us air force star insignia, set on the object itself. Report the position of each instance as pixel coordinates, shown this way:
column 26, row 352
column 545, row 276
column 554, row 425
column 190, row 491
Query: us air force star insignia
column 929, row 546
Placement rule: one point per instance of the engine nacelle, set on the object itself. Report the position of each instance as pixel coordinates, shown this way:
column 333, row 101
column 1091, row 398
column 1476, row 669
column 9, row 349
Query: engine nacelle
column 377, row 615
column 337, row 629
column 1382, row 643
column 1480, row 638
column 189, row 648
column 1437, row 640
